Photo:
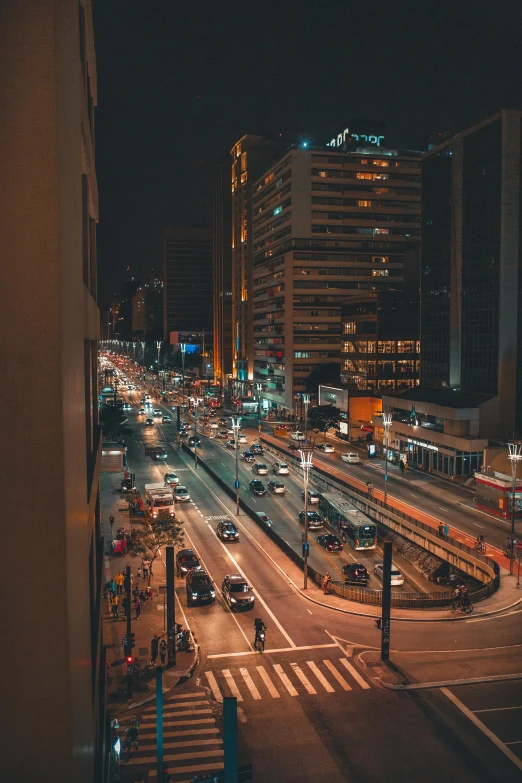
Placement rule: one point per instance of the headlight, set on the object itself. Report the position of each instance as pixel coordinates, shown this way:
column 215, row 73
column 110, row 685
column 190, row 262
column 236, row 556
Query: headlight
column 213, row 593
column 194, row 595
column 233, row 600
column 251, row 598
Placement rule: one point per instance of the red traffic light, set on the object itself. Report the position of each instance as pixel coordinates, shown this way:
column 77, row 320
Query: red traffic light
column 129, row 659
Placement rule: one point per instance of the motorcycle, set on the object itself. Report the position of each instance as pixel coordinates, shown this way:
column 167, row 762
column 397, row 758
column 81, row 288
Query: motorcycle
column 259, row 643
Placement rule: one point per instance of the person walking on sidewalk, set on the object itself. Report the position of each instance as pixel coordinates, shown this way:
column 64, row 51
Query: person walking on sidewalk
column 326, row 581
column 445, row 532
column 119, row 583
column 163, row 651
column 137, row 606
column 154, row 649
column 111, row 584
column 145, row 564
column 115, row 605
column 401, row 466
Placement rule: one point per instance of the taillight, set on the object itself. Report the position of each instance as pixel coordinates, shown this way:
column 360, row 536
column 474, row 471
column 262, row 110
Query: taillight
column 357, row 542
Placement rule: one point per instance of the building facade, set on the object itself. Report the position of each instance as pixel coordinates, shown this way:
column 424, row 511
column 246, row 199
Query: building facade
column 187, row 277
column 249, row 156
column 222, row 274
column 57, row 728
column 327, row 225
column 471, row 298
column 147, row 310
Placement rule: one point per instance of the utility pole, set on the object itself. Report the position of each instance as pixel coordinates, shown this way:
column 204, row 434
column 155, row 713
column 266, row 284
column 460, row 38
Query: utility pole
column 386, row 601
column 128, row 646
column 386, row 421
column 171, row 606
column 306, row 463
column 236, row 423
column 514, row 456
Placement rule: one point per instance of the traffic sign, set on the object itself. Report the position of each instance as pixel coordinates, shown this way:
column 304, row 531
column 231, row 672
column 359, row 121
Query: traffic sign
column 519, row 546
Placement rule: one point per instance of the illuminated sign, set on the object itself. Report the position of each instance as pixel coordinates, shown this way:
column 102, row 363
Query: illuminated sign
column 423, row 444
column 341, row 138
column 360, row 132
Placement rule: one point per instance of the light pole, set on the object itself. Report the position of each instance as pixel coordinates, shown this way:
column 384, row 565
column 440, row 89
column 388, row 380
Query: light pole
column 196, row 401
column 236, row 424
column 386, row 422
column 514, row 456
column 306, row 403
column 183, row 349
column 142, row 343
column 305, row 452
column 259, row 386
column 158, row 345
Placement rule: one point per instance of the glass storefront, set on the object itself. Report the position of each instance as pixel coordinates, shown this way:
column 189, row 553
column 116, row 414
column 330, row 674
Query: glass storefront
column 431, row 458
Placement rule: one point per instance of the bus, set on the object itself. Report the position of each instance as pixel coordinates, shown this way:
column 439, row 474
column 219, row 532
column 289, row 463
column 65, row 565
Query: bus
column 352, row 525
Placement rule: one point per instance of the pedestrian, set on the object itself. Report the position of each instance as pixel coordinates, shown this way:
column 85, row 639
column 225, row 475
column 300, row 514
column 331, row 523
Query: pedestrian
column 137, row 606
column 115, row 605
column 163, row 651
column 441, row 530
column 326, row 581
column 119, row 583
column 111, row 523
column 445, row 532
column 112, row 587
column 154, row 644
column 145, row 564
column 138, row 573
column 401, row 466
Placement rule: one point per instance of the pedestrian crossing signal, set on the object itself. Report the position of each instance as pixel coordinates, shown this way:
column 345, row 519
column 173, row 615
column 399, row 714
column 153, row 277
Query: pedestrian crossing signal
column 129, row 659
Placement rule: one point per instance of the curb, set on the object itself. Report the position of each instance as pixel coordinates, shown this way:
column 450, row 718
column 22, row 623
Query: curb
column 448, row 683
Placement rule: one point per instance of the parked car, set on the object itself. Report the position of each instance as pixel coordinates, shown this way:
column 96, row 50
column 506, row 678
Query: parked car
column 181, row 494
column 248, row 456
column 329, row 542
column 260, row 468
column 313, row 496
column 200, row 586
column 257, row 448
column 227, row 531
column 351, row 457
column 326, row 448
column 281, row 469
column 186, row 560
column 237, row 592
column 257, row 487
column 171, row 479
column 356, row 574
column 315, row 520
column 396, row 576
column 277, row 487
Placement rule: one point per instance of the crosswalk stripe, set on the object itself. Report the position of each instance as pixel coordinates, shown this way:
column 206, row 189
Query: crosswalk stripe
column 340, row 679
column 179, row 705
column 355, row 674
column 189, row 770
column 304, row 679
column 181, row 715
column 231, row 684
column 320, row 676
column 177, row 697
column 250, row 684
column 284, row 679
column 178, row 757
column 268, row 682
column 214, row 686
column 151, row 735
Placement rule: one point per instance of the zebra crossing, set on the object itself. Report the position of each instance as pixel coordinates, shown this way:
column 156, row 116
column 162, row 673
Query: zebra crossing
column 274, row 680
column 192, row 742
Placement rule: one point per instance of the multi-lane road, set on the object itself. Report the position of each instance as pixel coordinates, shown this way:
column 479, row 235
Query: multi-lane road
column 312, row 707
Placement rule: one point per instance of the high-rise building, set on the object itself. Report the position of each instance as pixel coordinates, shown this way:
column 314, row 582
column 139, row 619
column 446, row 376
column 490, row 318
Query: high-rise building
column 250, row 156
column 53, row 657
column 187, row 277
column 222, row 273
column 471, row 301
column 147, row 309
column 327, row 224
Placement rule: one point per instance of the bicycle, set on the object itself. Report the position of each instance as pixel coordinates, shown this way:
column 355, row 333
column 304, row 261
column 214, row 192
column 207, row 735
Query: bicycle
column 480, row 547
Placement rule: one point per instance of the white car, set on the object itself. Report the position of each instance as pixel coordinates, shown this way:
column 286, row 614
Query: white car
column 396, row 576
column 281, row 469
column 297, row 435
column 350, row 457
column 326, row 448
column 181, row 494
column 242, row 439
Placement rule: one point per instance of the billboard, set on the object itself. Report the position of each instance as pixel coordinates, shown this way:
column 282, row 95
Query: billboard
column 329, row 395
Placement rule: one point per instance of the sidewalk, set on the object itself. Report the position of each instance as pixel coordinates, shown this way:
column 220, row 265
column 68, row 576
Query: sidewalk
column 151, row 621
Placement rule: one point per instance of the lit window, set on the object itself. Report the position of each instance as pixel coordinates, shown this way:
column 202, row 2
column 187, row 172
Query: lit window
column 379, row 273
column 364, row 203
column 364, row 175
column 322, row 173
column 278, row 210
column 384, row 163
column 378, row 231
column 380, row 259
column 349, row 327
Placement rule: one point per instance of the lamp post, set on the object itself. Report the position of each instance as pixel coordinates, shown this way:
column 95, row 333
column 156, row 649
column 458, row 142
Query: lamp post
column 514, row 456
column 158, row 345
column 305, row 452
column 236, row 424
column 183, row 349
column 195, row 401
column 386, row 421
column 142, row 343
column 306, row 403
column 259, row 386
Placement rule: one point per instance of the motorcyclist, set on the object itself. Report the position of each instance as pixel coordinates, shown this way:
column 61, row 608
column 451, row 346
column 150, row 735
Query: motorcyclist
column 259, row 627
column 508, row 546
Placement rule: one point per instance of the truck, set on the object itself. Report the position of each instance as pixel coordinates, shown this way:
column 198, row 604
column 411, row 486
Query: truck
column 156, row 452
column 159, row 501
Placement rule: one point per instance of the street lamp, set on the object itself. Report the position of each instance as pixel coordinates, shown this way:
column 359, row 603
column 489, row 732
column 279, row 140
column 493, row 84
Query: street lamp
column 183, row 349
column 236, row 424
column 306, row 403
column 305, row 452
column 195, row 401
column 515, row 456
column 259, row 386
column 386, row 422
column 158, row 345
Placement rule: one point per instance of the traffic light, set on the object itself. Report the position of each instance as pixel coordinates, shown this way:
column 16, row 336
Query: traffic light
column 133, row 639
column 129, row 660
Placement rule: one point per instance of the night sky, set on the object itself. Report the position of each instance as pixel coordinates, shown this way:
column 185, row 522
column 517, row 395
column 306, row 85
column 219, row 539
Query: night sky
column 178, row 84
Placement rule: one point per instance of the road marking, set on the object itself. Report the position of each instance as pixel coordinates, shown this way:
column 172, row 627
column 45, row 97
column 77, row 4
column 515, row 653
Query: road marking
column 495, row 617
column 234, row 690
column 443, row 509
column 478, row 723
column 273, row 650
column 498, row 709
column 340, row 679
column 320, row 676
column 250, row 684
column 284, row 679
column 214, row 686
column 413, row 496
column 268, row 682
column 514, row 742
column 477, row 524
column 308, row 610
column 355, row 674
column 299, row 673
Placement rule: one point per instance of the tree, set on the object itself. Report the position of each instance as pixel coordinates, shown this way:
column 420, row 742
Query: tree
column 322, row 417
column 324, row 375
column 112, row 420
column 155, row 535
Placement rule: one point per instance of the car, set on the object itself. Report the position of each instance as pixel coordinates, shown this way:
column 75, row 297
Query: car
column 199, row 586
column 160, row 455
column 248, row 456
column 171, row 480
column 329, row 542
column 297, row 435
column 222, row 435
column 264, row 518
column 194, row 440
column 313, row 496
column 242, row 439
column 183, row 433
column 237, row 592
column 156, row 412
column 186, row 560
column 315, row 520
column 257, row 487
column 396, row 576
column 326, row 448
column 141, row 411
column 356, row 574
column 181, row 494
column 212, row 413
column 260, row 469
column 127, row 406
column 223, row 421
column 277, row 487
column 351, row 457
column 257, row 448
column 142, row 401
column 149, row 422
column 213, row 425
column 147, row 397
column 232, row 444
column 166, row 419
column 281, row 469
column 227, row 531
